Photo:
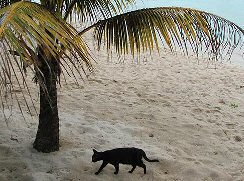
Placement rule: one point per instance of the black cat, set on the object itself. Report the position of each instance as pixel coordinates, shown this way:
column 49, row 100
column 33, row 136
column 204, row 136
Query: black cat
column 130, row 156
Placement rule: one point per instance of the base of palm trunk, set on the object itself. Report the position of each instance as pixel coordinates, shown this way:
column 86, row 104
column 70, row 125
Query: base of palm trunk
column 47, row 137
column 46, row 145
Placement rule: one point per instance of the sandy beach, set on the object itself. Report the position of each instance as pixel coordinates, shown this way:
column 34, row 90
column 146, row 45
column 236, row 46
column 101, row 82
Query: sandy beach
column 182, row 111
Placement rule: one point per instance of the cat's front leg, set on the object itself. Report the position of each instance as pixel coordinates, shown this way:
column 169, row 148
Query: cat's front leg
column 102, row 166
column 133, row 168
column 116, row 166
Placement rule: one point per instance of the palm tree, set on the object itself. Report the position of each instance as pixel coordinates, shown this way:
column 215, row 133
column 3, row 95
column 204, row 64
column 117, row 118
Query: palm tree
column 40, row 38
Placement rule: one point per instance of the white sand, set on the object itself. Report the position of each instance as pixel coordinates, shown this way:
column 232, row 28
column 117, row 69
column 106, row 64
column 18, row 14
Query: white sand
column 188, row 116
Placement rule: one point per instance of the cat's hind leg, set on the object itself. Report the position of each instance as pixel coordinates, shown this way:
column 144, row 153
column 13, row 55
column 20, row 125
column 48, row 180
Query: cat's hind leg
column 133, row 168
column 141, row 164
column 102, row 166
column 116, row 166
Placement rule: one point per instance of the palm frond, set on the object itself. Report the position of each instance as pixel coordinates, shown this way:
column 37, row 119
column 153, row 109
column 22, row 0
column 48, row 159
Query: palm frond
column 25, row 26
column 141, row 30
column 93, row 10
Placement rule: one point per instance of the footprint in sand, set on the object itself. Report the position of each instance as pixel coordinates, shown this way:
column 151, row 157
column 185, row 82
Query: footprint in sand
column 197, row 110
column 77, row 153
column 238, row 138
column 67, row 125
column 231, row 125
column 89, row 96
column 241, row 114
column 87, row 129
column 96, row 80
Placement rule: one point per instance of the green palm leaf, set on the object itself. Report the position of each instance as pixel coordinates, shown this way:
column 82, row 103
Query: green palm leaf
column 94, row 9
column 87, row 9
column 25, row 26
column 140, row 30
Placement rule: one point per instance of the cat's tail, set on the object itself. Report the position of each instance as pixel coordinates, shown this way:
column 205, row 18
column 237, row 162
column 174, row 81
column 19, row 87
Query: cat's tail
column 145, row 157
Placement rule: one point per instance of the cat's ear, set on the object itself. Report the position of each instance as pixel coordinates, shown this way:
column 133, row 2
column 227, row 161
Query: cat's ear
column 94, row 151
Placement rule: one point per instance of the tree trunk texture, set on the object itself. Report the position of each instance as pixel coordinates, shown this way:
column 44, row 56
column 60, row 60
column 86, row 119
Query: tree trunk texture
column 47, row 137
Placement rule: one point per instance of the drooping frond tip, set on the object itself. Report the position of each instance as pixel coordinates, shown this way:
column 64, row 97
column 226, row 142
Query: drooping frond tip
column 184, row 28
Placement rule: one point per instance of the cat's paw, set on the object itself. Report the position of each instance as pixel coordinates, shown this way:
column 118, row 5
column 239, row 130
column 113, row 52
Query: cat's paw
column 130, row 171
column 96, row 173
column 115, row 173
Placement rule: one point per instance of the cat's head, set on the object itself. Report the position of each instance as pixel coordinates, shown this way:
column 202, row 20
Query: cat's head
column 97, row 156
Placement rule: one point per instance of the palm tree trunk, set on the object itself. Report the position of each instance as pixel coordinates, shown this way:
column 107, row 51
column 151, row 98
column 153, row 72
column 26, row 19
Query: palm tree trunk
column 47, row 137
